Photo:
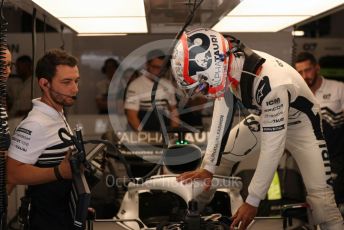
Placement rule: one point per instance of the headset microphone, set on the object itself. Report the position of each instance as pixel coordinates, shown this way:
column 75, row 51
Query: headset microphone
column 54, row 91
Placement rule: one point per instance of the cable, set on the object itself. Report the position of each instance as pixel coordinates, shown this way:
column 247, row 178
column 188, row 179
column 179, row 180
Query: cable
column 117, row 154
column 44, row 33
column 163, row 71
column 237, row 134
column 4, row 130
column 62, row 47
column 166, row 66
column 293, row 49
column 34, row 45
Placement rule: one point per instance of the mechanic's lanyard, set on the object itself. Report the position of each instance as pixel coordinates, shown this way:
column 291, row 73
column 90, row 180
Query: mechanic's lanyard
column 65, row 122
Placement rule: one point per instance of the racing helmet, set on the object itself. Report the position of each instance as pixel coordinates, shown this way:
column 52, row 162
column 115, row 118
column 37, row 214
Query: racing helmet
column 200, row 62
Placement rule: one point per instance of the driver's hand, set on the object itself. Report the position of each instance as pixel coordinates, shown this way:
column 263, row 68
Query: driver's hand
column 201, row 174
column 244, row 216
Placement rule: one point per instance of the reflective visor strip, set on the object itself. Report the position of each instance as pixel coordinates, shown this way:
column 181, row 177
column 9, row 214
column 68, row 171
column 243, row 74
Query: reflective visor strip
column 232, row 80
column 186, row 76
column 214, row 90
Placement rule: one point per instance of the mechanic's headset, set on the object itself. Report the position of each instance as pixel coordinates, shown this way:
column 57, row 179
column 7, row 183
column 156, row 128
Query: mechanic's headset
column 47, row 84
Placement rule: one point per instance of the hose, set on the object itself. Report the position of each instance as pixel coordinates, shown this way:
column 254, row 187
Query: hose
column 4, row 130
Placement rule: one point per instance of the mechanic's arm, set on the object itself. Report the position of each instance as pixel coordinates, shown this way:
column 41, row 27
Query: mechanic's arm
column 133, row 118
column 26, row 174
column 132, row 107
column 274, row 120
column 174, row 116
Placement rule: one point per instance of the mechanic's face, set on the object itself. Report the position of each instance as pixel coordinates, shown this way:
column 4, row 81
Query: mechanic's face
column 308, row 71
column 64, row 85
column 110, row 69
column 154, row 66
column 23, row 69
column 8, row 63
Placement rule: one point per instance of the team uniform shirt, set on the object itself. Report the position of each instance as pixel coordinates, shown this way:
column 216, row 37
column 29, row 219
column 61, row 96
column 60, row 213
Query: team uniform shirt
column 330, row 95
column 36, row 142
column 287, row 108
column 138, row 98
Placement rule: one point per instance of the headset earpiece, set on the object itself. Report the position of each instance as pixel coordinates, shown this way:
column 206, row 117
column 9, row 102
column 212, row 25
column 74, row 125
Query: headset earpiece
column 43, row 83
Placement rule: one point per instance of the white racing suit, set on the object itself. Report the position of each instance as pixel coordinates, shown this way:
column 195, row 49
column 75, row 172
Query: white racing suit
column 288, row 118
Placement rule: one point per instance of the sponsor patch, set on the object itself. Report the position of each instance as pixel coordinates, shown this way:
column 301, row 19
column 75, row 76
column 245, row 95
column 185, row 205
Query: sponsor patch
column 326, row 160
column 262, row 90
column 217, row 138
column 20, row 148
column 275, row 120
column 273, row 101
column 327, row 96
column 274, row 108
column 23, row 130
column 273, row 115
column 273, row 129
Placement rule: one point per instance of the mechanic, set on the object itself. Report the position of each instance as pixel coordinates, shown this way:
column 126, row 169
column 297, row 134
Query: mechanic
column 37, row 157
column 330, row 95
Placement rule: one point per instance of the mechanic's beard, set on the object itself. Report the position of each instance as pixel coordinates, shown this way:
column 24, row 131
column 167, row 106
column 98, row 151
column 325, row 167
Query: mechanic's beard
column 61, row 99
column 311, row 82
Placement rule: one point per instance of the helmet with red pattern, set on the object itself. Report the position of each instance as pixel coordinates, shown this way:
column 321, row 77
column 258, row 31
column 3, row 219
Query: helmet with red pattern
column 200, row 63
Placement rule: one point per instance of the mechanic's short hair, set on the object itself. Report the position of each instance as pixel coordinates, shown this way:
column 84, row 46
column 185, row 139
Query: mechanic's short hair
column 24, row 59
column 306, row 56
column 107, row 61
column 153, row 54
column 46, row 65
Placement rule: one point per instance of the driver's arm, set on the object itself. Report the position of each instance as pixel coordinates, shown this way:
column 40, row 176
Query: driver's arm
column 219, row 130
column 273, row 121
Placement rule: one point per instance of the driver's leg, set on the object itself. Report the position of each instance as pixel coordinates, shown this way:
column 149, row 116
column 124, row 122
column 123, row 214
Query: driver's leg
column 312, row 158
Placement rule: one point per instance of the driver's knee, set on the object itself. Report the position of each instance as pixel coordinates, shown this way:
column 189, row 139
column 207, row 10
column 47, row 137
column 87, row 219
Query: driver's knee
column 323, row 209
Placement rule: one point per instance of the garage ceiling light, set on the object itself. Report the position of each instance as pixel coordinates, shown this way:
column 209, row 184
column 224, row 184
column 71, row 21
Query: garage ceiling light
column 100, row 34
column 107, row 25
column 272, row 15
column 256, row 24
column 99, row 16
